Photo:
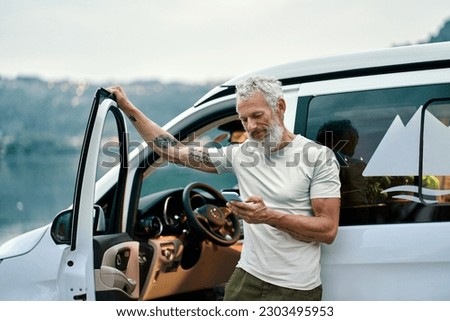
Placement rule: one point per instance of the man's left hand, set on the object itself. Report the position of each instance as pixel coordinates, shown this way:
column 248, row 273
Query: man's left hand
column 253, row 210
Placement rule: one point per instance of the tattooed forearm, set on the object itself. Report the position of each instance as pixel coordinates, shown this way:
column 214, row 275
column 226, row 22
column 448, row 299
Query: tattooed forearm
column 165, row 142
column 200, row 156
column 132, row 118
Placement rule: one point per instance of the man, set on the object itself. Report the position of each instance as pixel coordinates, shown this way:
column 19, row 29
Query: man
column 290, row 186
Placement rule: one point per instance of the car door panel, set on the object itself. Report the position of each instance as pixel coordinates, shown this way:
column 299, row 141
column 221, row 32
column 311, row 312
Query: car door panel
column 116, row 264
column 388, row 262
column 76, row 278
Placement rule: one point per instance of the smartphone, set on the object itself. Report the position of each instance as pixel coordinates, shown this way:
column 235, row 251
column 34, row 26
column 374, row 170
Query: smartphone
column 232, row 196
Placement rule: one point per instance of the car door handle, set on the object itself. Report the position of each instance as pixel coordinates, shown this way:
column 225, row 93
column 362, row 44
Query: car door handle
column 114, row 278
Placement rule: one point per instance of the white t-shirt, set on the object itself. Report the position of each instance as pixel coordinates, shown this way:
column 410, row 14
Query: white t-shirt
column 286, row 180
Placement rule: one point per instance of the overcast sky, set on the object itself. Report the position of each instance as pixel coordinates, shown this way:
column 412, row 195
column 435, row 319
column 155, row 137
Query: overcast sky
column 198, row 40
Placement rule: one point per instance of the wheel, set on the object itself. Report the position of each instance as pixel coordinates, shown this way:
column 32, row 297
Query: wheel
column 216, row 223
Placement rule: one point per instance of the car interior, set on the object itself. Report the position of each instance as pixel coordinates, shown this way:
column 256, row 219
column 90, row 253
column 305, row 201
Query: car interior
column 182, row 243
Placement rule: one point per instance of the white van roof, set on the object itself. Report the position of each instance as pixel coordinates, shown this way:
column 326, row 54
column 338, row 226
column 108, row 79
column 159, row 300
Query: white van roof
column 414, row 57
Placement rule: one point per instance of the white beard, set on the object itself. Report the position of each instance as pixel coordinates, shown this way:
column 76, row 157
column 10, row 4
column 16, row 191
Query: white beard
column 273, row 138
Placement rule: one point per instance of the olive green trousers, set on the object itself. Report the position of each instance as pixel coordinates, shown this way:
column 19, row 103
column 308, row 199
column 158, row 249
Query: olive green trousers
column 243, row 286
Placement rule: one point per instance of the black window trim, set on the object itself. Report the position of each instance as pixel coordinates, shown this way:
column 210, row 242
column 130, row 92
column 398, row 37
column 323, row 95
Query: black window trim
column 421, row 150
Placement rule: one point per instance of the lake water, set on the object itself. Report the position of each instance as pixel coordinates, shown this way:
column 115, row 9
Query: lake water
column 33, row 189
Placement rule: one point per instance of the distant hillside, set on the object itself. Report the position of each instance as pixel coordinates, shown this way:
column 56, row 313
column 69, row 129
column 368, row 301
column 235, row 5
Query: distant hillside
column 443, row 34
column 44, row 117
column 50, row 117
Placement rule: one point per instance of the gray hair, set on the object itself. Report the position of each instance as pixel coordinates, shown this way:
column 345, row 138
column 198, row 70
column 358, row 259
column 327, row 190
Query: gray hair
column 270, row 87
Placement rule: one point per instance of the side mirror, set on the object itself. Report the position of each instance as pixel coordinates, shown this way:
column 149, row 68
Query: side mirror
column 61, row 230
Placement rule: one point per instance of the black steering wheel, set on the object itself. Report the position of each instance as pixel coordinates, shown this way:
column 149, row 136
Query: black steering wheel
column 215, row 223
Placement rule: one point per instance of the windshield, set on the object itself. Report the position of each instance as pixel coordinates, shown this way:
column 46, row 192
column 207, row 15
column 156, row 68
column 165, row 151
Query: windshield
column 169, row 175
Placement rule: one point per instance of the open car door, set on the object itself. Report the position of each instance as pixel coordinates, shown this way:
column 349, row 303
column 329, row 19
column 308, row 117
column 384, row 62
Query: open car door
column 99, row 258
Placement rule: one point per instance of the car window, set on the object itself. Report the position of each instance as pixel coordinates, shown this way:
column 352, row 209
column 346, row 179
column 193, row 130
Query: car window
column 109, row 157
column 169, row 175
column 375, row 136
column 109, row 154
column 434, row 168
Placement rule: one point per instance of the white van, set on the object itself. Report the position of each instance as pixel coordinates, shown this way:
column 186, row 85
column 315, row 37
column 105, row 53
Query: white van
column 136, row 232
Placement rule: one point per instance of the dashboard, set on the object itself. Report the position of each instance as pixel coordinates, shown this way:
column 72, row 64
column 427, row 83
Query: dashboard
column 163, row 213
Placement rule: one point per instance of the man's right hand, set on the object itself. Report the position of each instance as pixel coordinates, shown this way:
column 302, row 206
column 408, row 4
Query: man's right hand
column 122, row 100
